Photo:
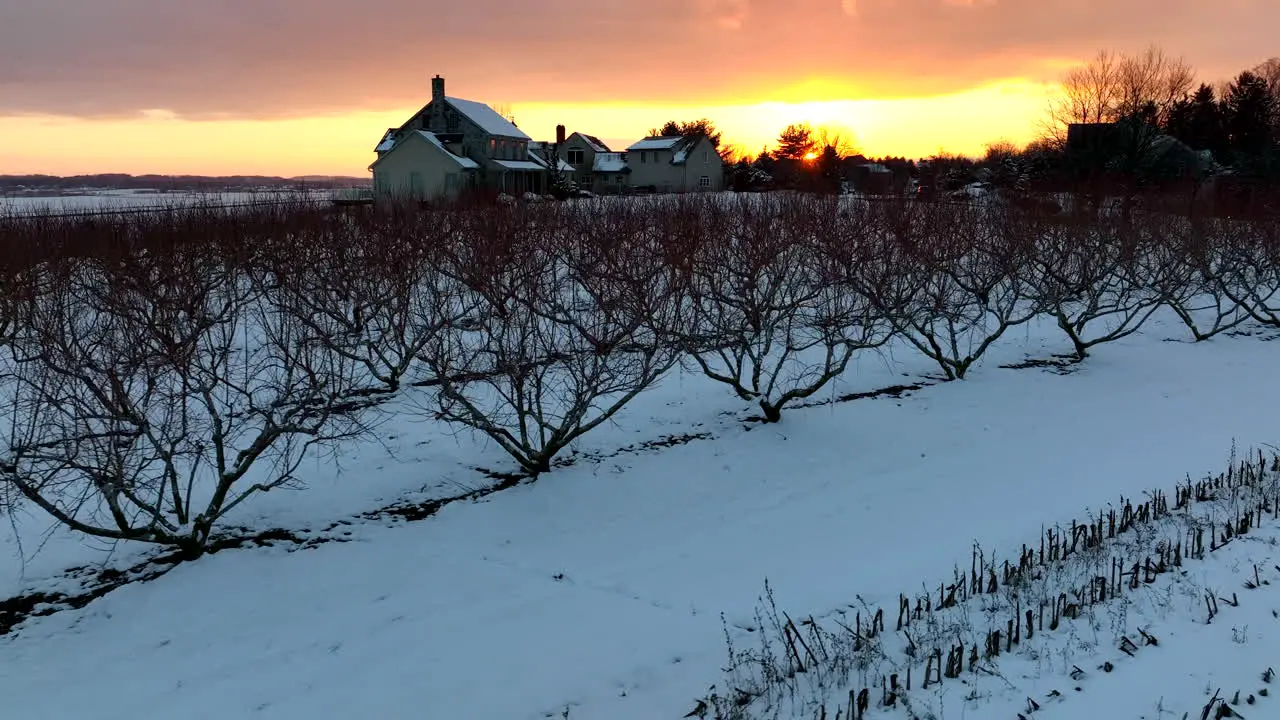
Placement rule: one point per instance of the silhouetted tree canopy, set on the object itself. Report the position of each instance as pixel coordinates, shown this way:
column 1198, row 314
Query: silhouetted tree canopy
column 1198, row 122
column 796, row 141
column 702, row 127
column 1249, row 108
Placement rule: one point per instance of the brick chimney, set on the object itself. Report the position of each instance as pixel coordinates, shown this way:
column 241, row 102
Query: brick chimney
column 434, row 120
column 559, row 134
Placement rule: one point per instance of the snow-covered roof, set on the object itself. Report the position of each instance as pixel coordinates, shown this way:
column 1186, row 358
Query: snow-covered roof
column 388, row 141
column 519, row 165
column 610, row 162
column 465, row 162
column 656, row 143
column 594, row 142
column 488, row 119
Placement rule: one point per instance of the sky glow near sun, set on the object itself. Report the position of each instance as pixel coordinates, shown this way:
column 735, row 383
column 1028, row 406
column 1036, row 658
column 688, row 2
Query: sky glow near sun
column 157, row 141
column 302, row 87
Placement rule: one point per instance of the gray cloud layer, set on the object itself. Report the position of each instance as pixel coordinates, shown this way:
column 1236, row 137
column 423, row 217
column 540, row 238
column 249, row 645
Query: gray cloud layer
column 263, row 58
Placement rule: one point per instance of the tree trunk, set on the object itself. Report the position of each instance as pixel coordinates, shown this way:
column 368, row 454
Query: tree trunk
column 772, row 413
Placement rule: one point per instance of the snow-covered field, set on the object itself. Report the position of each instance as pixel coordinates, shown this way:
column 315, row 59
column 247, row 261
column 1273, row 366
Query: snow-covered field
column 598, row 591
column 105, row 200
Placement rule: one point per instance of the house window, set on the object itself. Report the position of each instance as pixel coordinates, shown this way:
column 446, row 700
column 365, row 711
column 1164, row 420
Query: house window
column 704, row 182
column 644, row 156
column 706, row 158
column 575, row 156
column 493, row 147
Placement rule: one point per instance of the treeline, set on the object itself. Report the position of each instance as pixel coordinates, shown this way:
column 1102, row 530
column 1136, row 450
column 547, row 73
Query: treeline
column 1153, row 124
column 157, row 370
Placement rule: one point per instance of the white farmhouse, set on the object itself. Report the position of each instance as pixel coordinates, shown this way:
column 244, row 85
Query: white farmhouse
column 451, row 145
column 675, row 164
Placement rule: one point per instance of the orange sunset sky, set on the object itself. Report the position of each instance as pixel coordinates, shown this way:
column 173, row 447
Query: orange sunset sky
column 293, row 87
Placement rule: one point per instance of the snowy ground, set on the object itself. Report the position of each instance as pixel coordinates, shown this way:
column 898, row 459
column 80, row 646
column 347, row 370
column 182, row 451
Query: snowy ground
column 598, row 590
column 102, row 200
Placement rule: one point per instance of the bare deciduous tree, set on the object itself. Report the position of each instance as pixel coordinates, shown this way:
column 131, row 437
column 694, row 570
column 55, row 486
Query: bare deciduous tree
column 1203, row 285
column 1111, row 87
column 1096, row 276
column 969, row 288
column 371, row 288
column 155, row 392
column 565, row 334
column 775, row 317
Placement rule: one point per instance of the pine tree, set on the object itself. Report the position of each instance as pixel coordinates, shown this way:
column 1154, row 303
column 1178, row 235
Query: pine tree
column 796, row 141
column 1198, row 122
column 701, row 128
column 1249, row 108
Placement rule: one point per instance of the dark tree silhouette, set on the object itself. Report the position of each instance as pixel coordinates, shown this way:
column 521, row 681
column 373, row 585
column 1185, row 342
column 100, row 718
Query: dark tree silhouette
column 1198, row 122
column 796, row 141
column 699, row 128
column 1249, row 107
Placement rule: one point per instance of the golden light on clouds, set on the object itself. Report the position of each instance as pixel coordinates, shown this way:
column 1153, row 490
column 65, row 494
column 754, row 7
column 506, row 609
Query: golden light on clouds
column 155, row 141
column 912, row 127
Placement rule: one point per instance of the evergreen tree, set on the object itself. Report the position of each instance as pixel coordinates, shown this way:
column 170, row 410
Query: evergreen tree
column 702, row 128
column 796, row 141
column 1198, row 122
column 1249, row 110
column 826, row 170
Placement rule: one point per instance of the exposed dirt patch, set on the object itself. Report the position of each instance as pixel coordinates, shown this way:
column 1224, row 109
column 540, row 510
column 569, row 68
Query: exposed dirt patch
column 1265, row 334
column 1058, row 364
column 892, row 391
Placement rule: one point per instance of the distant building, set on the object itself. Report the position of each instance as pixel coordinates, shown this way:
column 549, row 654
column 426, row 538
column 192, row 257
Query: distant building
column 595, row 167
column 451, row 145
column 1134, row 148
column 871, row 178
column 675, row 164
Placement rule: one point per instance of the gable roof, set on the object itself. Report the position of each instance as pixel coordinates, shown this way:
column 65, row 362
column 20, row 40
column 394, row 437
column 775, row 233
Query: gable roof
column 594, row 142
column 387, row 142
column 465, row 163
column 679, row 145
column 656, row 143
column 487, row 118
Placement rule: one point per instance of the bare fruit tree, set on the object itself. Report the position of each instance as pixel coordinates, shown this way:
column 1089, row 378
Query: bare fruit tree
column 1097, row 276
column 1207, row 266
column 371, row 287
column 155, row 392
column 773, row 317
column 1255, row 251
column 565, row 332
column 959, row 282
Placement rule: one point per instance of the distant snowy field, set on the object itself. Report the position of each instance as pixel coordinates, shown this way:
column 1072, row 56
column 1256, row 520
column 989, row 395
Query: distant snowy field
column 91, row 201
column 598, row 590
